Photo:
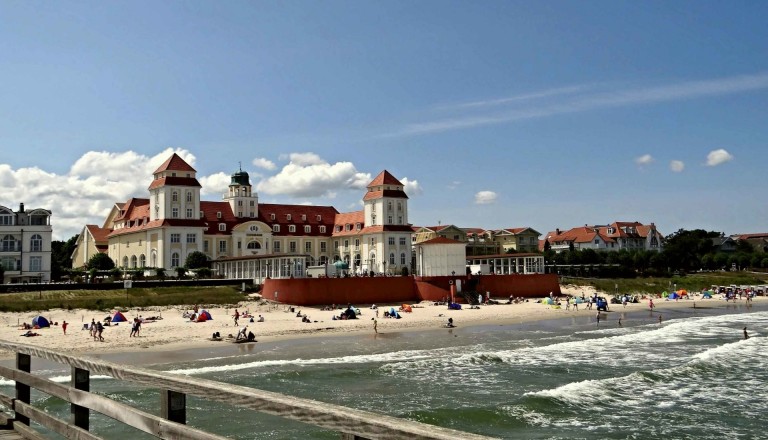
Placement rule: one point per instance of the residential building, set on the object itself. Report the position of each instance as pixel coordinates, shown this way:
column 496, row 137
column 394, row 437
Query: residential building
column 481, row 242
column 25, row 245
column 426, row 233
column 517, row 239
column 613, row 237
column 759, row 241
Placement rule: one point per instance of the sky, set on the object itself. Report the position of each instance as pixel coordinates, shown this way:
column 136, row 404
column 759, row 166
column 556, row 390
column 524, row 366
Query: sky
column 494, row 114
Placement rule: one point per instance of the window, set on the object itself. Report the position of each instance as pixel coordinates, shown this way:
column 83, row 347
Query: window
column 276, row 246
column 191, row 238
column 222, row 246
column 254, row 245
column 189, row 212
column 346, row 244
column 357, row 260
column 252, row 203
column 175, row 238
column 36, row 243
column 175, row 213
column 292, row 247
column 357, row 243
column 597, row 241
column 389, row 206
column 373, row 241
column 402, row 241
column 319, row 217
column 307, row 229
column 303, row 217
column 175, row 259
column 347, row 227
column 399, row 206
column 10, row 263
column 8, row 244
column 218, row 214
column 222, row 227
column 35, row 264
column 205, row 246
column 308, row 247
column 134, row 262
column 202, row 214
column 271, row 216
column 373, row 219
column 239, row 203
column 142, row 260
column 275, row 228
column 336, row 244
column 189, row 196
column 6, row 219
column 402, row 258
column 175, row 196
column 392, row 258
column 373, row 261
column 389, row 219
column 239, row 244
column 399, row 219
column 291, row 228
column 288, row 217
column 322, row 229
column 323, row 247
column 391, row 241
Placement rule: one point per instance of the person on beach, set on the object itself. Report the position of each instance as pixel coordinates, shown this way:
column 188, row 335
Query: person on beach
column 575, row 305
column 64, row 326
column 99, row 331
column 659, row 319
column 746, row 335
column 93, row 329
column 375, row 325
column 598, row 317
column 650, row 303
column 236, row 316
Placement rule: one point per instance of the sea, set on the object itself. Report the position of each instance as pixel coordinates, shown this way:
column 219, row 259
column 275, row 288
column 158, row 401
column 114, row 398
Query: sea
column 691, row 376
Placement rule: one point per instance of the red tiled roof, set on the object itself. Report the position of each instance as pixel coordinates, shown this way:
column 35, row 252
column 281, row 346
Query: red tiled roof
column 442, row 240
column 99, row 234
column 393, row 193
column 477, row 231
column 174, row 163
column 384, row 178
column 134, row 209
column 348, row 218
column 753, row 235
column 174, row 181
column 582, row 234
column 327, row 216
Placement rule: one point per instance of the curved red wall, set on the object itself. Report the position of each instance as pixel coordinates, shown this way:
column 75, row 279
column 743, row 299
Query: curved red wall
column 373, row 290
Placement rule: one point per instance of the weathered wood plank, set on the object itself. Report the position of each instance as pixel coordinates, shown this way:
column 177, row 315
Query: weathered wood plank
column 121, row 412
column 328, row 416
column 23, row 363
column 56, row 425
column 6, row 401
column 27, row 432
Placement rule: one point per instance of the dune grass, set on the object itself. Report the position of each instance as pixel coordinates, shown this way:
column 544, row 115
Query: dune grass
column 692, row 282
column 118, row 298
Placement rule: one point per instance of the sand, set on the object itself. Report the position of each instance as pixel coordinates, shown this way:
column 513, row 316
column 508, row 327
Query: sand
column 174, row 332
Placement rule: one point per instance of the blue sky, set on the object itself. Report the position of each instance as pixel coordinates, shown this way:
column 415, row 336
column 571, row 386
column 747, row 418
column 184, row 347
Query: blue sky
column 495, row 114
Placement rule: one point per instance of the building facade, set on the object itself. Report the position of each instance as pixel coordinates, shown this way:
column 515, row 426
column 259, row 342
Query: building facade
column 613, row 237
column 25, row 245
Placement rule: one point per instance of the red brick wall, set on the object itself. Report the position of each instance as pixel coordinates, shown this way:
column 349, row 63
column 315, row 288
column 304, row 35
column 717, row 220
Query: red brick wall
column 527, row 286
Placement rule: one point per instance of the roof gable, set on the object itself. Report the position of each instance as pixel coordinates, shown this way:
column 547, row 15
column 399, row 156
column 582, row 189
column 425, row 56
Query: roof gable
column 384, row 178
column 174, row 163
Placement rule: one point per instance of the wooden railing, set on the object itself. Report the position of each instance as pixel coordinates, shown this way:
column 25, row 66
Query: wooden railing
column 352, row 424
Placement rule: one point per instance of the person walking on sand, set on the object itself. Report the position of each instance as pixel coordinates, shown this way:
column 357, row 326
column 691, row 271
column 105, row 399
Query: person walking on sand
column 100, row 330
column 575, row 305
column 64, row 327
column 92, row 328
column 236, row 316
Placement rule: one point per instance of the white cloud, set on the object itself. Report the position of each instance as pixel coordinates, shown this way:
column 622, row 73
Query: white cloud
column 676, row 166
column 86, row 193
column 411, row 187
column 644, row 160
column 216, row 184
column 266, row 164
column 485, row 197
column 308, row 175
column 453, row 185
column 592, row 100
column 718, row 157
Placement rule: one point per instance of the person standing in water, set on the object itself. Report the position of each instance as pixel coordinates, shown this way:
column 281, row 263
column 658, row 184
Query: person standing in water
column 746, row 335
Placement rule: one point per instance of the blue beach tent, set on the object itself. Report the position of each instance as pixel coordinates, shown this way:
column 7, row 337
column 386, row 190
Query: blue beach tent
column 119, row 317
column 40, row 322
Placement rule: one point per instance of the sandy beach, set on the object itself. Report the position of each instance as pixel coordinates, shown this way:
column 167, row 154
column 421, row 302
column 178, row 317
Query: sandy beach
column 175, row 332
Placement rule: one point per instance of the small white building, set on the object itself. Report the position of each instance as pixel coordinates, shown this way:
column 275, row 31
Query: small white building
column 440, row 256
column 25, row 245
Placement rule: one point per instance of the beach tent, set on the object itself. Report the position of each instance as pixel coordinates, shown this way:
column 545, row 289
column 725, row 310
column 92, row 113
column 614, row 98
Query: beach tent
column 40, row 322
column 674, row 295
column 392, row 311
column 548, row 301
column 664, row 294
column 407, row 308
column 119, row 317
column 682, row 293
column 707, row 295
column 454, row 306
column 203, row 316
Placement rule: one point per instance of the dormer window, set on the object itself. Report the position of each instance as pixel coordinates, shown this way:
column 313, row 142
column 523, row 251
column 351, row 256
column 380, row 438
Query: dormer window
column 288, row 217
column 303, row 217
column 271, row 216
column 275, row 228
column 322, row 229
column 291, row 228
column 218, row 214
column 338, row 228
column 347, row 227
column 202, row 214
column 307, row 229
column 319, row 217
column 222, row 227
column 359, row 226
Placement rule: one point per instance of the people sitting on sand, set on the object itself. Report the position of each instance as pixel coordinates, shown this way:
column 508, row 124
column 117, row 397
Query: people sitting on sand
column 449, row 324
column 261, row 318
column 305, row 318
column 298, row 314
column 251, row 337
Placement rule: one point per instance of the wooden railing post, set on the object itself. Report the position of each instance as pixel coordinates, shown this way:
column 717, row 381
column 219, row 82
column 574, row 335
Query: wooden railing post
column 173, row 406
column 23, row 363
column 81, row 381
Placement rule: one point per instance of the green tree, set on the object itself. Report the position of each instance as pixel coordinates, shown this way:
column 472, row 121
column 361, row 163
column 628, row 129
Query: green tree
column 180, row 272
column 196, row 260
column 203, row 272
column 61, row 257
column 101, row 261
column 160, row 273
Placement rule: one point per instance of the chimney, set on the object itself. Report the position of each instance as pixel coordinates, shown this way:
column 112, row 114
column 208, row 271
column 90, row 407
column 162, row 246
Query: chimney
column 21, row 207
column 557, row 231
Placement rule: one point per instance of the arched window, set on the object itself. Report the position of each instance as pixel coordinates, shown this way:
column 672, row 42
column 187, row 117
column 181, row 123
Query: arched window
column 134, row 262
column 357, row 260
column 310, row 261
column 8, row 244
column 174, row 260
column 153, row 258
column 392, row 258
column 36, row 243
column 125, row 262
column 175, row 196
column 323, row 260
column 373, row 261
column 142, row 261
column 7, row 218
column 346, row 260
column 254, row 245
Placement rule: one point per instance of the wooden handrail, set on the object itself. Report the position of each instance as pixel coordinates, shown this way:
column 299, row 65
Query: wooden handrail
column 352, row 423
